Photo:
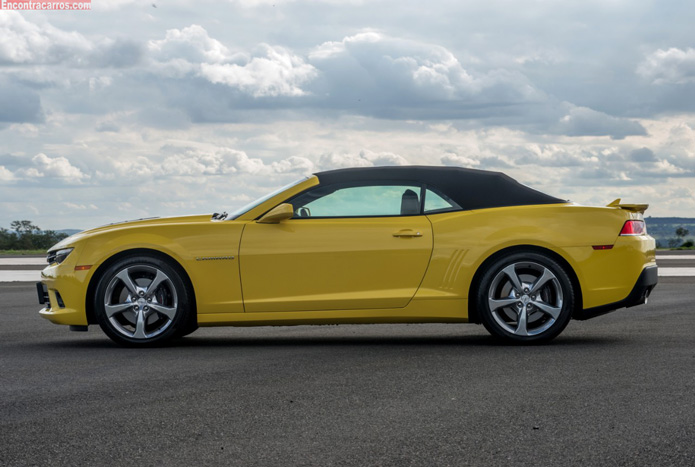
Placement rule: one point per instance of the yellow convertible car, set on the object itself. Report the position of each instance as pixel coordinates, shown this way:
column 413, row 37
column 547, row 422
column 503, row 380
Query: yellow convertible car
column 362, row 245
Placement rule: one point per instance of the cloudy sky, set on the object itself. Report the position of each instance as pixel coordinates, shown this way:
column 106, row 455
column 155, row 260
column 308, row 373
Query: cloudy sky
column 135, row 109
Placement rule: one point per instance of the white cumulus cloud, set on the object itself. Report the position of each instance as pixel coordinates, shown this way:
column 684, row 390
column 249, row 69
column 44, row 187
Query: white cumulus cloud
column 382, row 70
column 80, row 207
column 59, row 167
column 192, row 44
column 23, row 42
column 5, row 174
column 270, row 72
column 671, row 66
column 364, row 158
column 226, row 161
column 277, row 72
column 455, row 160
column 427, row 70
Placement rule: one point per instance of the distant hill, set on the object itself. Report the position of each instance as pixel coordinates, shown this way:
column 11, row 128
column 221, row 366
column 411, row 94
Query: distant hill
column 663, row 229
column 69, row 231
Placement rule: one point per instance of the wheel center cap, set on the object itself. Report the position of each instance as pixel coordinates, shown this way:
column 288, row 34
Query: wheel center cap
column 525, row 299
column 141, row 302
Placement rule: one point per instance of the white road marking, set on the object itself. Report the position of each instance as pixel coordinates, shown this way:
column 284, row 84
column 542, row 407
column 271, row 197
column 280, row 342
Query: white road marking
column 20, row 276
column 22, row 261
column 663, row 257
column 677, row 272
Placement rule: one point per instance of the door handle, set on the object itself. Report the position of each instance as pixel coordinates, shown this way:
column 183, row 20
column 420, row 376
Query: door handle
column 407, row 233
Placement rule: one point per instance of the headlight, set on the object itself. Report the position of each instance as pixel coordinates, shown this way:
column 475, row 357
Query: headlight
column 58, row 256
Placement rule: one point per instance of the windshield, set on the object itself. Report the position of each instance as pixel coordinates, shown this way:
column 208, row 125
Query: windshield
column 265, row 198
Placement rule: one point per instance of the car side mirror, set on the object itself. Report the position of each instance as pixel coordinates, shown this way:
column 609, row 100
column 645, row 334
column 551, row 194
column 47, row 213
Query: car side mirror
column 279, row 213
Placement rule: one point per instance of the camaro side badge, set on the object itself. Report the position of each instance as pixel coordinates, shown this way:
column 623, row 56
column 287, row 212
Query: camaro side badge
column 210, row 258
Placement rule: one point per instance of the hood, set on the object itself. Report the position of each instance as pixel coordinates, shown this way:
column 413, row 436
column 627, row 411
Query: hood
column 152, row 221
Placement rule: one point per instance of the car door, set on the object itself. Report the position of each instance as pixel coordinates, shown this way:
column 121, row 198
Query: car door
column 349, row 247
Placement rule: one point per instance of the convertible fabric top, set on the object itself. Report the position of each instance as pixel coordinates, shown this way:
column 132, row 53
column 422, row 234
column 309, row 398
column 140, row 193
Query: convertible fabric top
column 470, row 188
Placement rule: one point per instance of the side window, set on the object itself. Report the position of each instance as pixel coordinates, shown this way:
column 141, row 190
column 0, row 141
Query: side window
column 435, row 203
column 358, row 201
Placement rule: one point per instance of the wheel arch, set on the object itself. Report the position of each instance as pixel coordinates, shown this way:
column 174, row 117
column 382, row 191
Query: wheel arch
column 134, row 252
column 473, row 315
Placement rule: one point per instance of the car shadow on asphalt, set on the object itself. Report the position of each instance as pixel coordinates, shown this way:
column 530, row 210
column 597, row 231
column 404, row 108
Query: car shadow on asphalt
column 482, row 341
column 428, row 341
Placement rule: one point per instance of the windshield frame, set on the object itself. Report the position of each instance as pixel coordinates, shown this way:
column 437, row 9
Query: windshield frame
column 257, row 202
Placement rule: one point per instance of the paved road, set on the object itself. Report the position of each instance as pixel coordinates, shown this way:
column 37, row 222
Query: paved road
column 676, row 263
column 617, row 390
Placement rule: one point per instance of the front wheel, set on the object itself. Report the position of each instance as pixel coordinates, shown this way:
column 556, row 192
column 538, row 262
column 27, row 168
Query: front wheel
column 525, row 297
column 142, row 301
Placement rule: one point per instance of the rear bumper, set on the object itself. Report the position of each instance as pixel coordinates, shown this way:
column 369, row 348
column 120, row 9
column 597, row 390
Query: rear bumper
column 638, row 296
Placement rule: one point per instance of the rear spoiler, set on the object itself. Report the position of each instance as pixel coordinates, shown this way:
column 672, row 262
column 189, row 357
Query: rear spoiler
column 629, row 207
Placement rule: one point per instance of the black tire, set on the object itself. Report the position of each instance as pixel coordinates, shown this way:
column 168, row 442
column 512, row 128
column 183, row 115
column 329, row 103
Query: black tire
column 533, row 308
column 189, row 328
column 134, row 314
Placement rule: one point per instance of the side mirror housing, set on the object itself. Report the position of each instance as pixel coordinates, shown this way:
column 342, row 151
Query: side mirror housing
column 279, row 213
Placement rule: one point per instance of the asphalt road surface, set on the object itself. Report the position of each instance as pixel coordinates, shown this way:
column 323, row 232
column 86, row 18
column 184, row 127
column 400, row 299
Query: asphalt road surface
column 616, row 390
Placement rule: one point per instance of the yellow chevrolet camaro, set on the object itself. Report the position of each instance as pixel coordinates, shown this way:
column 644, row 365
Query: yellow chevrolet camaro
column 363, row 245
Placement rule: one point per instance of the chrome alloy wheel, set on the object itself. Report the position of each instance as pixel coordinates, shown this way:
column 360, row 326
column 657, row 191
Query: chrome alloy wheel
column 525, row 298
column 140, row 301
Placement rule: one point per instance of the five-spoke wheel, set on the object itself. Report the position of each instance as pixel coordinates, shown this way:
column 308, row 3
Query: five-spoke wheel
column 142, row 301
column 525, row 297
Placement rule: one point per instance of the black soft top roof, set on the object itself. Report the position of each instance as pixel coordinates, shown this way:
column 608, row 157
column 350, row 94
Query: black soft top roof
column 470, row 188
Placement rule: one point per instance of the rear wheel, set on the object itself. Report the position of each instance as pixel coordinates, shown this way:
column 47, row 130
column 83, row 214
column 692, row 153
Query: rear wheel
column 525, row 297
column 143, row 301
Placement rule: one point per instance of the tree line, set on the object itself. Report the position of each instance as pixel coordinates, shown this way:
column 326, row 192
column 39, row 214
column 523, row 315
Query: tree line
column 681, row 233
column 23, row 235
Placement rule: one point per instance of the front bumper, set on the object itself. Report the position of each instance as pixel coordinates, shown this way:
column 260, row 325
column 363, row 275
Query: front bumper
column 62, row 292
column 646, row 282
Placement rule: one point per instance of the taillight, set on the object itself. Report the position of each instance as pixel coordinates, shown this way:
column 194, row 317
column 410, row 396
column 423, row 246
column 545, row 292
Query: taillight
column 634, row 227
